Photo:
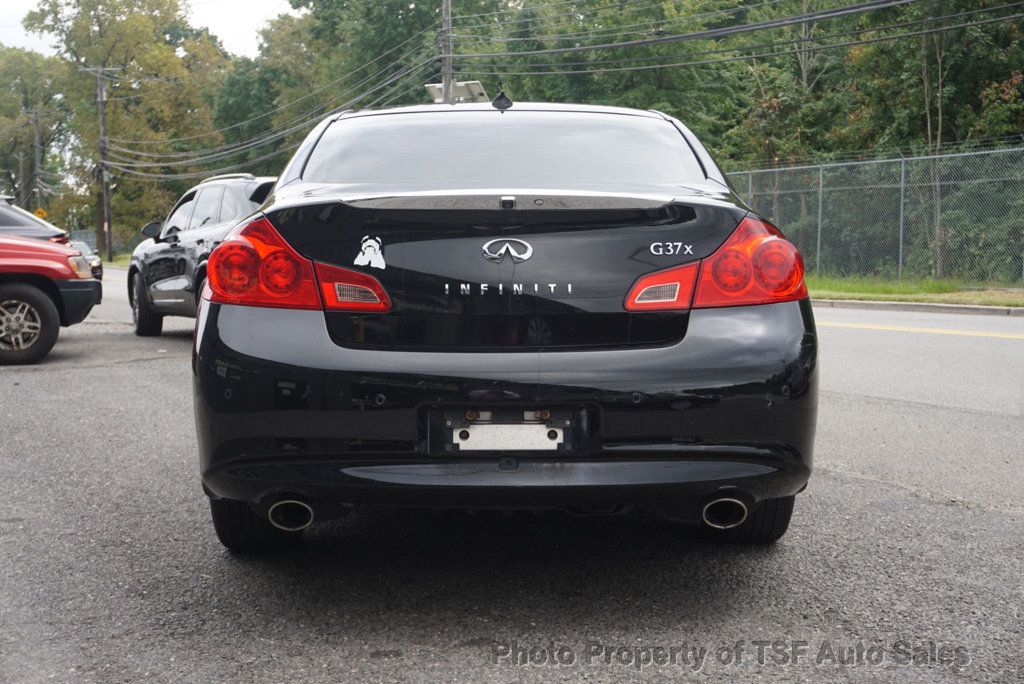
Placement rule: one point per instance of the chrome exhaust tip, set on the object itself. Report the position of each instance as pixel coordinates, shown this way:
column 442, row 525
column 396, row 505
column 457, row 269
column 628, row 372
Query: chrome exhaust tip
column 290, row 515
column 724, row 513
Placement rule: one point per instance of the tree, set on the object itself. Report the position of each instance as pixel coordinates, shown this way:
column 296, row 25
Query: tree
column 164, row 79
column 32, row 117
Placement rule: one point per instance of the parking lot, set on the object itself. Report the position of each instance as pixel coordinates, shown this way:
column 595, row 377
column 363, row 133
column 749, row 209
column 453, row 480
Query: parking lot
column 908, row 540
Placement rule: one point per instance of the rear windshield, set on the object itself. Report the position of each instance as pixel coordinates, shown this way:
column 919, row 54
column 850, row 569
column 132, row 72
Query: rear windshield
column 16, row 217
column 475, row 149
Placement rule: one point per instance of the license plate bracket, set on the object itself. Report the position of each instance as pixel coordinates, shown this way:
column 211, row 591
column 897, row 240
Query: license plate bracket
column 502, row 430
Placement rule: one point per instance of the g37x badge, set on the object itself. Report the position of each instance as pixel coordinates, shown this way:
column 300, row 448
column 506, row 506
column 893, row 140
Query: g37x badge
column 371, row 253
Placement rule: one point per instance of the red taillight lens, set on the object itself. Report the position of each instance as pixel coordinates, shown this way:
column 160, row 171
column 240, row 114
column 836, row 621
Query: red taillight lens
column 233, row 267
column 778, row 267
column 663, row 290
column 256, row 267
column 347, row 290
column 756, row 265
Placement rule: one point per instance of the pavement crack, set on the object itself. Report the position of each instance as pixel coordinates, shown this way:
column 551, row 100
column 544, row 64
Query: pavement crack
column 938, row 498
column 63, row 368
column 924, row 404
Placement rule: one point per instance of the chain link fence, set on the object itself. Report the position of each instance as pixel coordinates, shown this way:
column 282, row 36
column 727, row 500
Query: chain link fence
column 953, row 216
column 88, row 236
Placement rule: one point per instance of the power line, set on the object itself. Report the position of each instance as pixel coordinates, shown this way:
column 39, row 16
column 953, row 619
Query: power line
column 208, row 172
column 130, row 168
column 617, row 30
column 635, row 5
column 234, row 167
column 401, row 89
column 276, row 133
column 281, row 106
column 716, row 32
column 773, row 44
column 268, row 139
column 263, row 136
column 622, row 6
column 816, row 48
column 545, row 5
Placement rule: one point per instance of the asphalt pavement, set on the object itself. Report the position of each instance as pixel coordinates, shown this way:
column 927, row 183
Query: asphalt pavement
column 903, row 561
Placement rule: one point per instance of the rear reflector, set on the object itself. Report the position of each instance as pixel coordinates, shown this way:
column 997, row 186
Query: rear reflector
column 663, row 290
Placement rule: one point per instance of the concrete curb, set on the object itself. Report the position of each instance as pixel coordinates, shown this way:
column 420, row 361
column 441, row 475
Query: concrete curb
column 921, row 307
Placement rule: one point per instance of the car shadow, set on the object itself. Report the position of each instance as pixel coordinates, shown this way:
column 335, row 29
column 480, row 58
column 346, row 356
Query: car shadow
column 602, row 570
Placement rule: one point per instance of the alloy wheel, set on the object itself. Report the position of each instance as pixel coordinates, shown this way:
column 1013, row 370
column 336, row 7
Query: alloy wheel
column 20, row 325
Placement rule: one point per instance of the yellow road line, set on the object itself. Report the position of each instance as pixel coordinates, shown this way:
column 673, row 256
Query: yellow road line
column 930, row 331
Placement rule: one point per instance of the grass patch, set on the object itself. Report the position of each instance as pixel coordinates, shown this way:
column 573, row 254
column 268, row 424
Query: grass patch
column 936, row 291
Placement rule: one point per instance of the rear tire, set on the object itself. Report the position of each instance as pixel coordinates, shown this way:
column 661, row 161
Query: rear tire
column 148, row 323
column 29, row 324
column 765, row 524
column 239, row 529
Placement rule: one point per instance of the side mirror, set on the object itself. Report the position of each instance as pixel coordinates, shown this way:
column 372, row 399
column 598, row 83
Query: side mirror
column 152, row 229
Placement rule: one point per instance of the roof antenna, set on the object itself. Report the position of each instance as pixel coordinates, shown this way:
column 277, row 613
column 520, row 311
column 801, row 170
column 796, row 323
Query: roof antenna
column 502, row 102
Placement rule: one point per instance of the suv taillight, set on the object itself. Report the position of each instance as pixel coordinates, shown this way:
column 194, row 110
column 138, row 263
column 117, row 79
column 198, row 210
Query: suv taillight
column 755, row 265
column 255, row 266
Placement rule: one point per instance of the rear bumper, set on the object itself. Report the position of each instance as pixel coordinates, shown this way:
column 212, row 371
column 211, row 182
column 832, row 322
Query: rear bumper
column 281, row 409
column 78, row 297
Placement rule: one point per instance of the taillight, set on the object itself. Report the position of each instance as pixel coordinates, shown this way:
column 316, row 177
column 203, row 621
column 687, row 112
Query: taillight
column 756, row 265
column 256, row 267
column 347, row 290
column 663, row 290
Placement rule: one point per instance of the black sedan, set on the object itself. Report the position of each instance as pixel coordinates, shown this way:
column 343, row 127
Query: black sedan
column 541, row 307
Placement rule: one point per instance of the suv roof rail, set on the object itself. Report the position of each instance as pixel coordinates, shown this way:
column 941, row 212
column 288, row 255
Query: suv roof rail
column 227, row 176
column 9, row 198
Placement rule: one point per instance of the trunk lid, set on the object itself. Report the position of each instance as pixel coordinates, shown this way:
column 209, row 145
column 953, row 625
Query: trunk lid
column 549, row 272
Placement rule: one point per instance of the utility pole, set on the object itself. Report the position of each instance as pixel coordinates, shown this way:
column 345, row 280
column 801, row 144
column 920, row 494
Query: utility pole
column 20, row 199
column 446, row 49
column 37, row 171
column 104, row 233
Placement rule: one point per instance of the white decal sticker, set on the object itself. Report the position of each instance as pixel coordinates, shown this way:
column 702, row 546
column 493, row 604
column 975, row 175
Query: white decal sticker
column 670, row 248
column 370, row 253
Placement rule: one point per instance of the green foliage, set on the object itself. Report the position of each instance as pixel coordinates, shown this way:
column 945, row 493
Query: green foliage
column 759, row 98
column 31, row 103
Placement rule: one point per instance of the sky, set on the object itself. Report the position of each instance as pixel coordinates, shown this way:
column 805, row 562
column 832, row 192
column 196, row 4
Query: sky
column 235, row 22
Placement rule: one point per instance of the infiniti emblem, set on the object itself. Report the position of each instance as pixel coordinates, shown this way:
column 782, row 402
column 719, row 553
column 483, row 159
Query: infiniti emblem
column 518, row 250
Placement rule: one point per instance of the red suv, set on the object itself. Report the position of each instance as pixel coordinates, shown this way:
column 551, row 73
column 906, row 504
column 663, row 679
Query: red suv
column 43, row 286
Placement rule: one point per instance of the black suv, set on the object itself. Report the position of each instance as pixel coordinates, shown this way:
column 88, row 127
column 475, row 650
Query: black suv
column 167, row 271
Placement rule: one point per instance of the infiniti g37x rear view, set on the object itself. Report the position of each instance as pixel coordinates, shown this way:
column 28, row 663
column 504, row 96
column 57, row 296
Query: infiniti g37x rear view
column 569, row 309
